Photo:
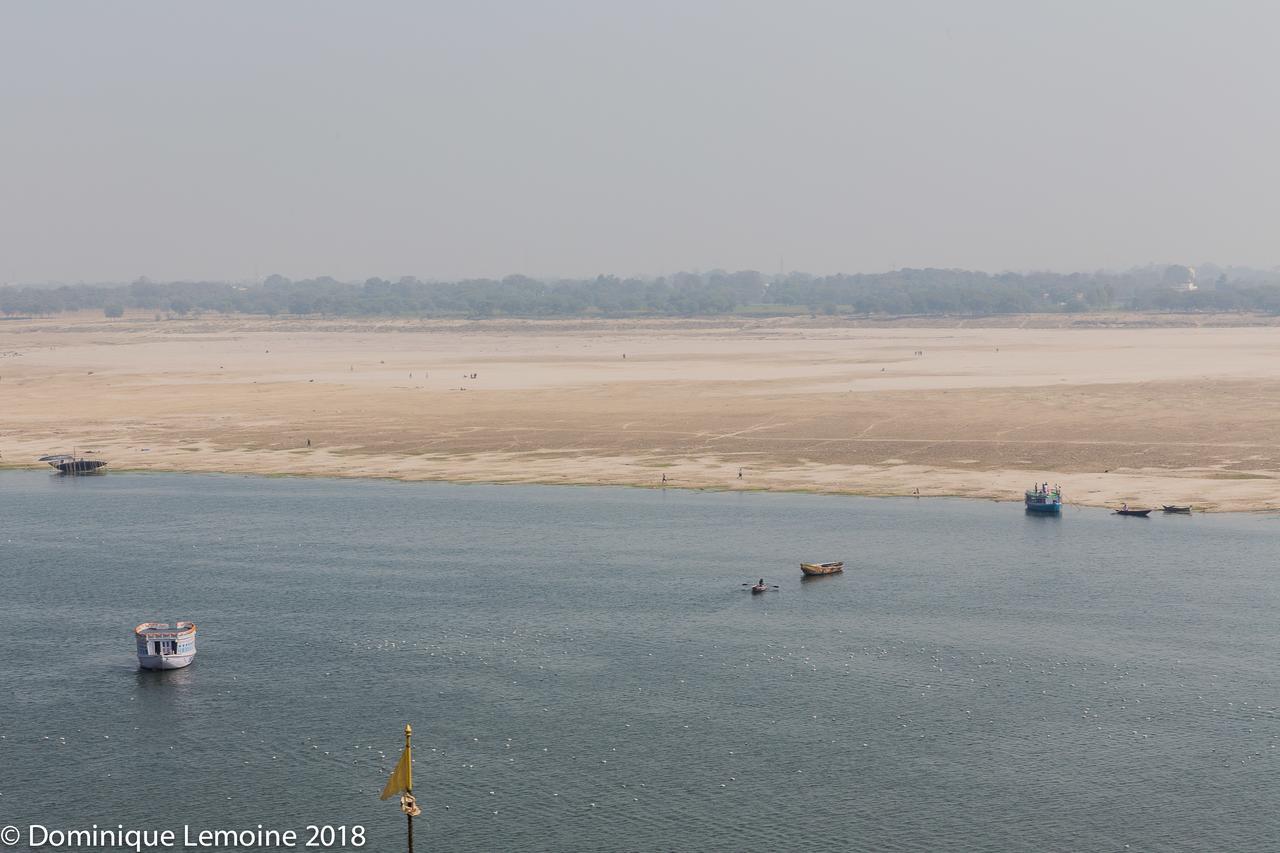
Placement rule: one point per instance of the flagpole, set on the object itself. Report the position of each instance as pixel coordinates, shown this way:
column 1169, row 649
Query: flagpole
column 408, row 732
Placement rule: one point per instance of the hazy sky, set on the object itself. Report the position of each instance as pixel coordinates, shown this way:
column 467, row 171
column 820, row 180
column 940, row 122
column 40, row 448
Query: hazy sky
column 236, row 139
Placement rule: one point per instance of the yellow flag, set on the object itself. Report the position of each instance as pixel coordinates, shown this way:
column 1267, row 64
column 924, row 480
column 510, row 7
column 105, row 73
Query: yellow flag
column 401, row 780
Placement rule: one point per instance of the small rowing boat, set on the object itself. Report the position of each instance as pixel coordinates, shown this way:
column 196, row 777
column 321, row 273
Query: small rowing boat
column 759, row 588
column 1137, row 513
column 822, row 568
column 1185, row 510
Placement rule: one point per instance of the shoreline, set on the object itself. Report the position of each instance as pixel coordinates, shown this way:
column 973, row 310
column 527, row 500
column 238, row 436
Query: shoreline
column 972, row 494
column 1144, row 416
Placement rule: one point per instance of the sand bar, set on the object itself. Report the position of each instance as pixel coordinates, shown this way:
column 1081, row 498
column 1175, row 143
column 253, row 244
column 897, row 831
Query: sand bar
column 1114, row 409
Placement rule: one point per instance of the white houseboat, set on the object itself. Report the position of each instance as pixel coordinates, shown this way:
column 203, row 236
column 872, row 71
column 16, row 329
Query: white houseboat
column 163, row 647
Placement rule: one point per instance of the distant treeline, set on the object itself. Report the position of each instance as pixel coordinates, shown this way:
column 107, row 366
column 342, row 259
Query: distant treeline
column 902, row 292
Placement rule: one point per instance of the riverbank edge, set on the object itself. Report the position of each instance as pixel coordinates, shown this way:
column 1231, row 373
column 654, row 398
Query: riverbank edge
column 992, row 496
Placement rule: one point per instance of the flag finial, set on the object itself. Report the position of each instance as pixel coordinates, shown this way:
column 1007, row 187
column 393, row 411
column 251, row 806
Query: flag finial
column 401, row 781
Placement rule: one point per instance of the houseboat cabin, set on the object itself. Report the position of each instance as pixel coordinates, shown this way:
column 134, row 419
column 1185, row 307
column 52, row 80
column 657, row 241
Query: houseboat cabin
column 163, row 647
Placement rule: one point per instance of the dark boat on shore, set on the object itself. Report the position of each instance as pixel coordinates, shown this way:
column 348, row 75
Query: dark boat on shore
column 1185, row 510
column 1139, row 513
column 72, row 464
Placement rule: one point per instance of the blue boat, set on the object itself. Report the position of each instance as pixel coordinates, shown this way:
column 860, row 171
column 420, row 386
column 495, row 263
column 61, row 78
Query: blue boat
column 1042, row 499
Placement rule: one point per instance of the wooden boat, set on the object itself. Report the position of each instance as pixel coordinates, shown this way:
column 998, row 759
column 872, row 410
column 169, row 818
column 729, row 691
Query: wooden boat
column 73, row 464
column 1185, row 510
column 1139, row 513
column 759, row 588
column 822, row 568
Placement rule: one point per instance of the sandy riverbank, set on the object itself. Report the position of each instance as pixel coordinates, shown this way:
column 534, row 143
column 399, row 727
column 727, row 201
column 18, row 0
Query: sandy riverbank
column 1114, row 409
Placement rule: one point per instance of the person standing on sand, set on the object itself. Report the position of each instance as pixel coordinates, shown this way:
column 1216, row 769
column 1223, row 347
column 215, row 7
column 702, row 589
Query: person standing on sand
column 739, row 473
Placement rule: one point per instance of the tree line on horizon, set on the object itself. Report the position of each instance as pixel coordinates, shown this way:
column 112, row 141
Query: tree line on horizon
column 905, row 292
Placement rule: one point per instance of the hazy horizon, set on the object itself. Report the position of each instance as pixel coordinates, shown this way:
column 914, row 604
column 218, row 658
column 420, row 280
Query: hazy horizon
column 1198, row 270
column 232, row 141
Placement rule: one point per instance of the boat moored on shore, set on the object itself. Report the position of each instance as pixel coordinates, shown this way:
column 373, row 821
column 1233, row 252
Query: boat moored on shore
column 161, row 646
column 70, row 463
column 1041, row 499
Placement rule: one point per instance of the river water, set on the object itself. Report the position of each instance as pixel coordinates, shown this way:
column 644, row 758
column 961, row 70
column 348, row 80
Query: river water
column 584, row 670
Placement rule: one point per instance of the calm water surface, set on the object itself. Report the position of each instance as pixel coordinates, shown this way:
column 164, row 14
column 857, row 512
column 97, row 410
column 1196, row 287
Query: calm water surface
column 584, row 671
